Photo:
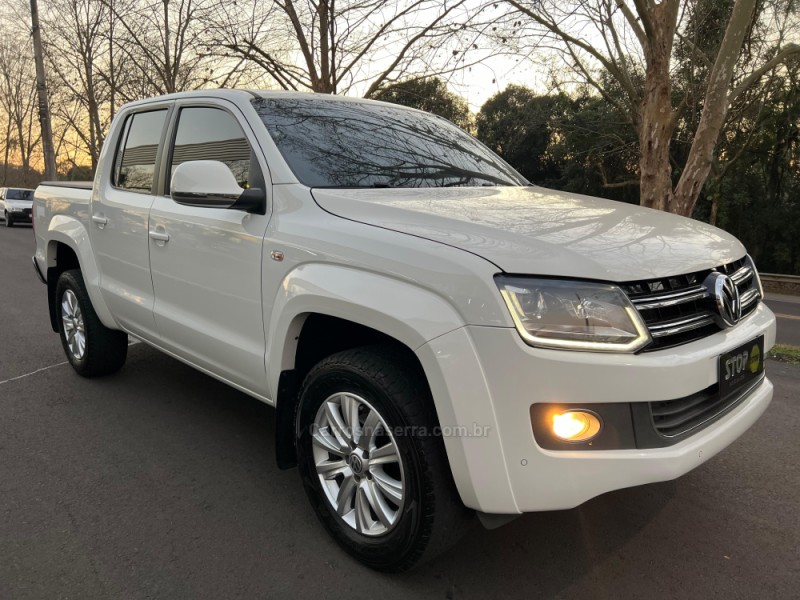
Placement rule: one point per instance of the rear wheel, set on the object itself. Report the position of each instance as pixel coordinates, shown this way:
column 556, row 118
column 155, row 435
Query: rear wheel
column 9, row 220
column 91, row 348
column 372, row 466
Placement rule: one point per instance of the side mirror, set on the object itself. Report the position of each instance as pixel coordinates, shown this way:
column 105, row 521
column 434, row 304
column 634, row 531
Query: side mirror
column 210, row 184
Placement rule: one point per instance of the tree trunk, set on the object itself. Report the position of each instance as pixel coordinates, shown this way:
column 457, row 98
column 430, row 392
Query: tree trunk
column 712, row 218
column 7, row 150
column 715, row 111
column 655, row 133
column 95, row 131
column 657, row 121
column 169, row 80
column 50, row 171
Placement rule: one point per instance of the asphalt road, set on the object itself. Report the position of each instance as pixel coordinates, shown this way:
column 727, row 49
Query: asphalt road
column 787, row 311
column 160, row 482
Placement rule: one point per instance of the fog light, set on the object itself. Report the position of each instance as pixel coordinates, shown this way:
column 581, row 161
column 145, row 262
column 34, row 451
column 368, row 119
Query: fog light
column 576, row 425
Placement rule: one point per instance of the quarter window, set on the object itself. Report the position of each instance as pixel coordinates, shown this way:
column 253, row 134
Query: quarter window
column 212, row 134
column 136, row 157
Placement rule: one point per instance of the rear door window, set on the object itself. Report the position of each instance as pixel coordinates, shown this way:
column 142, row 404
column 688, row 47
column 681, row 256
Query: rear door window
column 135, row 163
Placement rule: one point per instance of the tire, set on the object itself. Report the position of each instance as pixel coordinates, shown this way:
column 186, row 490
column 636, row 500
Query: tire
column 103, row 350
column 9, row 220
column 430, row 516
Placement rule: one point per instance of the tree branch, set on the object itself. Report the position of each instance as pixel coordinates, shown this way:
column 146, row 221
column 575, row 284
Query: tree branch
column 609, row 65
column 633, row 22
column 779, row 58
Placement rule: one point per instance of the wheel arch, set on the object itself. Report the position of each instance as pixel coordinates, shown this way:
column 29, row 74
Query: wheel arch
column 323, row 309
column 68, row 247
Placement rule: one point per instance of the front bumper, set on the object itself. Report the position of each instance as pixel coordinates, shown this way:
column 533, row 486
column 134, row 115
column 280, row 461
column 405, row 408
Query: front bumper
column 21, row 215
column 485, row 379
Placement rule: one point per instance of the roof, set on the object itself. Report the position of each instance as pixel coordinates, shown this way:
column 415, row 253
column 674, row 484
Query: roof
column 235, row 94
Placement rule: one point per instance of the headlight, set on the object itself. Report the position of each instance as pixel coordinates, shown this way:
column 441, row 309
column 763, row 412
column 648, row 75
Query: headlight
column 574, row 315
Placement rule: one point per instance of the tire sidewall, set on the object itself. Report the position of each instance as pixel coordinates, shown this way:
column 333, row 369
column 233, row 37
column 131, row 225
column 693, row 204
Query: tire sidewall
column 383, row 551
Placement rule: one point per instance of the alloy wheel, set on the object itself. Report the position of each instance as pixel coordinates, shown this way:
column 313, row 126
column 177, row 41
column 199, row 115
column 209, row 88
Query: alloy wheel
column 358, row 464
column 74, row 329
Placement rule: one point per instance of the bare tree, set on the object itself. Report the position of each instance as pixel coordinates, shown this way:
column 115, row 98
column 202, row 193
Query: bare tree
column 341, row 46
column 634, row 42
column 77, row 41
column 167, row 48
column 19, row 102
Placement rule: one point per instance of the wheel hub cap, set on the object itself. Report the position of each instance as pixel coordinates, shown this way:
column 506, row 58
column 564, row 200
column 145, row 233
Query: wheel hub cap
column 72, row 320
column 358, row 464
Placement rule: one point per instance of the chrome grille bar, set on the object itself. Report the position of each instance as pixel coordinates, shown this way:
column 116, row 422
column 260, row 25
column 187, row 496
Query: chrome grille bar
column 748, row 297
column 670, row 298
column 742, row 275
column 676, row 326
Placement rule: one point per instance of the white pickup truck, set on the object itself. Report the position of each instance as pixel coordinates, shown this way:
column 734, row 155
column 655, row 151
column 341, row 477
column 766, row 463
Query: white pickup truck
column 439, row 337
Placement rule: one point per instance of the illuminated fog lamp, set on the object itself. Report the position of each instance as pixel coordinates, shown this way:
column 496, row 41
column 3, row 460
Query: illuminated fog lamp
column 576, row 425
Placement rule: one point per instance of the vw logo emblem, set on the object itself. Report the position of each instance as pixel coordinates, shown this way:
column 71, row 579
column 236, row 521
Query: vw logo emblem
column 355, row 464
column 726, row 297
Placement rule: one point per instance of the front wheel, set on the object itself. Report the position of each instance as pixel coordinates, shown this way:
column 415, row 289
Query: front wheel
column 9, row 220
column 91, row 348
column 371, row 461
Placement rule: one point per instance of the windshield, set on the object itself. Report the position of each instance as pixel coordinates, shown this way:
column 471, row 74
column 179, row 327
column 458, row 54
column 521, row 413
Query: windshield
column 341, row 144
column 12, row 194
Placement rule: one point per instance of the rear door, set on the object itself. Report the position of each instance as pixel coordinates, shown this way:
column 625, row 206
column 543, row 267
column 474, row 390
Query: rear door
column 120, row 208
column 207, row 275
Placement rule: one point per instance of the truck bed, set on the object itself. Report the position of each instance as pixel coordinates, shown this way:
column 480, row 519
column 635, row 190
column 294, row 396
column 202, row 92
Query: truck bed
column 68, row 199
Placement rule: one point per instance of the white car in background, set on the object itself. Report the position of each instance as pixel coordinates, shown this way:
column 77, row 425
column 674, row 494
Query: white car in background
column 16, row 205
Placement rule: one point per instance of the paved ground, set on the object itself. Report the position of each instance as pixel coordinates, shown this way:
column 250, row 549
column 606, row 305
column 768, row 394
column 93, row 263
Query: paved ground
column 787, row 310
column 160, row 483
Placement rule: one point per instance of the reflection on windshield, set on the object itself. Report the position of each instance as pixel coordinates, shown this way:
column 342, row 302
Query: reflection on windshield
column 12, row 194
column 337, row 143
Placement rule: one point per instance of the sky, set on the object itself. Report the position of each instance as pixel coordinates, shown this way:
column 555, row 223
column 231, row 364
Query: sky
column 482, row 81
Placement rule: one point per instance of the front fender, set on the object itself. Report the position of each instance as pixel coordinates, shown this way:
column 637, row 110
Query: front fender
column 70, row 231
column 427, row 324
column 404, row 311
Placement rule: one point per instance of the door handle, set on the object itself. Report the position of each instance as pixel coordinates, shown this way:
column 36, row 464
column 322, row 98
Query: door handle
column 159, row 236
column 100, row 220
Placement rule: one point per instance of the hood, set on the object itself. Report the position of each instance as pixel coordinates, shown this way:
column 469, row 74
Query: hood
column 536, row 231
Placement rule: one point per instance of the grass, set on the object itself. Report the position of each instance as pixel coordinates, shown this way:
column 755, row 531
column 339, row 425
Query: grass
column 786, row 353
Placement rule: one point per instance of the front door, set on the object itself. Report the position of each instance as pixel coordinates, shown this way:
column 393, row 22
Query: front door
column 207, row 274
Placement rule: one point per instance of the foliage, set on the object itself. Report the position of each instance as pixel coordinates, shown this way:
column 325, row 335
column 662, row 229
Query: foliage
column 429, row 94
column 786, row 353
column 759, row 179
column 582, row 144
column 520, row 126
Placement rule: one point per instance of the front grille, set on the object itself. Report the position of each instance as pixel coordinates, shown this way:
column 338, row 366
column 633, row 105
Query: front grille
column 672, row 418
column 678, row 310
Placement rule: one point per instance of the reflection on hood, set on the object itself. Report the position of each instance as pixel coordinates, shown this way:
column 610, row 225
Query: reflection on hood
column 536, row 231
